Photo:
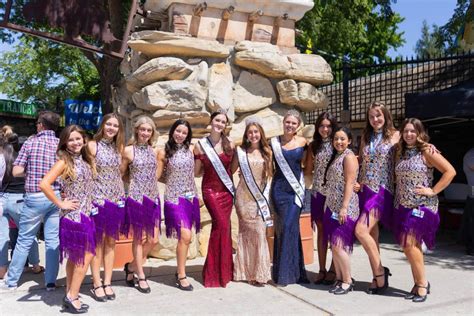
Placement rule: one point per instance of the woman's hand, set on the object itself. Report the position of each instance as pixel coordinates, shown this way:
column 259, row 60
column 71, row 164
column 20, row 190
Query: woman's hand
column 69, row 205
column 421, row 190
column 356, row 187
column 342, row 215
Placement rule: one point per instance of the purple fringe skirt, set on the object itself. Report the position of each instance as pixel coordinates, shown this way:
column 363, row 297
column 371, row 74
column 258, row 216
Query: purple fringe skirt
column 317, row 208
column 338, row 235
column 422, row 229
column 380, row 205
column 141, row 217
column 76, row 238
column 108, row 220
column 185, row 214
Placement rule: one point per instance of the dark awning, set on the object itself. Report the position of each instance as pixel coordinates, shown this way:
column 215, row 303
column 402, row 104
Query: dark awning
column 454, row 103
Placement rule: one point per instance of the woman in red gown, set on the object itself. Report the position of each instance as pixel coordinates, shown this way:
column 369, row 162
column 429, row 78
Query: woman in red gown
column 218, row 268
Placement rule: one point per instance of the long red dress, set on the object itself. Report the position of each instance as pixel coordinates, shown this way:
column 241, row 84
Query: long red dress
column 218, row 268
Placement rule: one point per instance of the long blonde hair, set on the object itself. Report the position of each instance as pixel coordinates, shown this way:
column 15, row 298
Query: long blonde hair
column 140, row 121
column 264, row 148
column 67, row 157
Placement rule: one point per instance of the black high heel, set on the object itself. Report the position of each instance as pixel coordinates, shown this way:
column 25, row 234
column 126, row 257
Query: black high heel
column 98, row 298
column 380, row 289
column 145, row 290
column 180, row 286
column 421, row 298
column 110, row 297
column 131, row 282
column 341, row 291
column 70, row 308
column 335, row 286
column 412, row 294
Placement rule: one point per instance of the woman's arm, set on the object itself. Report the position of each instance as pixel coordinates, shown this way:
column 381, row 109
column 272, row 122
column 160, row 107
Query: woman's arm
column 235, row 163
column 350, row 172
column 436, row 160
column 197, row 162
column 309, row 162
column 46, row 186
column 161, row 162
column 92, row 146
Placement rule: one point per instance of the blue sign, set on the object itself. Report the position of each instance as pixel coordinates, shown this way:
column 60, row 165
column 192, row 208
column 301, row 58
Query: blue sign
column 86, row 114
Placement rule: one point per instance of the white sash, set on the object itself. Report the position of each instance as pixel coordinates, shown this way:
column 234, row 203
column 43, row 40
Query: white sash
column 296, row 185
column 260, row 197
column 217, row 164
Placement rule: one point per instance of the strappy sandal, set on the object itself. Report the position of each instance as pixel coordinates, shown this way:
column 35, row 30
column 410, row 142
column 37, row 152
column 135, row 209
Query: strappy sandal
column 145, row 290
column 379, row 289
column 421, row 298
column 321, row 277
column 98, row 298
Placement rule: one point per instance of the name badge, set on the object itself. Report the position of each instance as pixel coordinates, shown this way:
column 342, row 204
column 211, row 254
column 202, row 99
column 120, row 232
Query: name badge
column 335, row 216
column 189, row 195
column 417, row 213
column 121, row 203
column 94, row 211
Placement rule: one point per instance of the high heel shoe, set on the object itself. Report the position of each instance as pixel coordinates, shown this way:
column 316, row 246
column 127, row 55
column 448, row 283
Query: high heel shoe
column 421, row 298
column 145, row 290
column 180, row 286
column 412, row 293
column 341, row 291
column 70, row 308
column 131, row 282
column 96, row 297
column 380, row 289
column 335, row 286
column 110, row 297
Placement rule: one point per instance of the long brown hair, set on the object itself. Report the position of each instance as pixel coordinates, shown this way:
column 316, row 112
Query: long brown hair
column 225, row 141
column 144, row 120
column 317, row 139
column 264, row 148
column 67, row 157
column 422, row 137
column 119, row 139
column 388, row 129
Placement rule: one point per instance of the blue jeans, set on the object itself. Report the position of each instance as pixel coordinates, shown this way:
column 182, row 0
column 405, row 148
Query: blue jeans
column 37, row 208
column 12, row 205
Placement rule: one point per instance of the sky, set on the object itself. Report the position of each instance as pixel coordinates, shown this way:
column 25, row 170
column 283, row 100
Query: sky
column 415, row 11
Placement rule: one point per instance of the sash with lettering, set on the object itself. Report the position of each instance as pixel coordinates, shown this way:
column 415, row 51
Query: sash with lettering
column 217, row 164
column 296, row 184
column 260, row 197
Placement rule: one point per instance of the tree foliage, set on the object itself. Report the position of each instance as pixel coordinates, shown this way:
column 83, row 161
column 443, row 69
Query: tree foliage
column 41, row 71
column 429, row 43
column 361, row 30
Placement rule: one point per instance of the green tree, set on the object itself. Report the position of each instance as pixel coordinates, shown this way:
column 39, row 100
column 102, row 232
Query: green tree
column 61, row 56
column 41, row 71
column 362, row 30
column 429, row 43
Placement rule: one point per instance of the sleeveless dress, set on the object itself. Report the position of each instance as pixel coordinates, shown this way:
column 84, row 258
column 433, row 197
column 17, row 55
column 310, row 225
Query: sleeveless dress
column 76, row 228
column 181, row 201
column 318, row 192
column 217, row 271
column 288, row 262
column 108, row 191
column 252, row 261
column 143, row 201
column 411, row 171
column 376, row 176
column 339, row 235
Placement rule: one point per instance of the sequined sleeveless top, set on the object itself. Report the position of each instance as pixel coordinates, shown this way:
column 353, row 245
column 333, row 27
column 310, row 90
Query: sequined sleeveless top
column 80, row 188
column 321, row 159
column 411, row 171
column 335, row 188
column 377, row 164
column 180, row 175
column 143, row 173
column 108, row 184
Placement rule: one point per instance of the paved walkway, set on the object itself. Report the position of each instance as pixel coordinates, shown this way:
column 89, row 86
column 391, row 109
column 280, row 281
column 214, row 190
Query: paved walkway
column 450, row 272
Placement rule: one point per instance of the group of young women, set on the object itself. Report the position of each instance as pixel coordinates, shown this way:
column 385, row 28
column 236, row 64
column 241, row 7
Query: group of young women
column 95, row 208
column 394, row 187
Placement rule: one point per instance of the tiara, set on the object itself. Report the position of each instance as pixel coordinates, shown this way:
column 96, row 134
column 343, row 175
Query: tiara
column 253, row 120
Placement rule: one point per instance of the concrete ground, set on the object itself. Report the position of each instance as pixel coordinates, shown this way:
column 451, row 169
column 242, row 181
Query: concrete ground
column 449, row 270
